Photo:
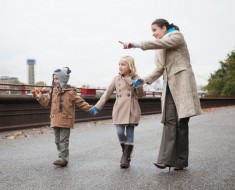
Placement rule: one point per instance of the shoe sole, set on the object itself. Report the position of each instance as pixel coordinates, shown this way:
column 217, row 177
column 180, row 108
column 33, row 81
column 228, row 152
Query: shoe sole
column 61, row 165
column 124, row 166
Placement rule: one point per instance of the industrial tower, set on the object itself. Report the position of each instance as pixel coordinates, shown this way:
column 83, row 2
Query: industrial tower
column 31, row 63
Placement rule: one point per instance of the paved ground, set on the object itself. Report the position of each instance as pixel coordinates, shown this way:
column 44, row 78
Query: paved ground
column 26, row 162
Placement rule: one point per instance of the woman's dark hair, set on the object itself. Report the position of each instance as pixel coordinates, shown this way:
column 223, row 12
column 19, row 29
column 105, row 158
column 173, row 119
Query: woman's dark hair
column 162, row 22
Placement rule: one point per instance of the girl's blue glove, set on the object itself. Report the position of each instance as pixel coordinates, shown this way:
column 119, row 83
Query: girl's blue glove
column 94, row 111
column 137, row 83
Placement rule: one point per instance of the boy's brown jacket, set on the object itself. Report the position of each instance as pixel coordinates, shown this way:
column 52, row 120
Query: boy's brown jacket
column 69, row 99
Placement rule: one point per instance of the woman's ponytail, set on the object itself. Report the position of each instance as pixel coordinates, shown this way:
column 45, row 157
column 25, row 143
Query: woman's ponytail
column 173, row 26
column 162, row 22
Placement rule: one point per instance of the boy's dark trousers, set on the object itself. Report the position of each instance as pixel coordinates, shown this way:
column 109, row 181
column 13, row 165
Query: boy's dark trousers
column 174, row 149
column 62, row 142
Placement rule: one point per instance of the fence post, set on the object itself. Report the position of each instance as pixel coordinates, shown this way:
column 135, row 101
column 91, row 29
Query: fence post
column 23, row 89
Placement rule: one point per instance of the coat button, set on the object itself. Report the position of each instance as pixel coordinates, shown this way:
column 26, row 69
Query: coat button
column 120, row 95
column 128, row 94
column 120, row 90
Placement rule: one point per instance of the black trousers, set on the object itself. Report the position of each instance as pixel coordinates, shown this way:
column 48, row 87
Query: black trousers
column 174, row 148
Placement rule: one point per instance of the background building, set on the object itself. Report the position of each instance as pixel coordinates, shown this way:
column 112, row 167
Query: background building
column 7, row 80
column 31, row 78
column 154, row 89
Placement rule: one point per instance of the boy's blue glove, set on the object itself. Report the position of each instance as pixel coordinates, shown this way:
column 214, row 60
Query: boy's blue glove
column 94, row 111
column 137, row 83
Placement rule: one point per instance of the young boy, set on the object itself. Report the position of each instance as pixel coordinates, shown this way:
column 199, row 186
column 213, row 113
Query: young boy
column 62, row 100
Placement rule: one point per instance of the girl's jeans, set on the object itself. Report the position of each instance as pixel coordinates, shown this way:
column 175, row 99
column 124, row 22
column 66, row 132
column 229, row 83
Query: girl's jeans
column 125, row 133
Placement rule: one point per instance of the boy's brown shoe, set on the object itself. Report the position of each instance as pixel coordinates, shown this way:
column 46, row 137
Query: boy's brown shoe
column 61, row 163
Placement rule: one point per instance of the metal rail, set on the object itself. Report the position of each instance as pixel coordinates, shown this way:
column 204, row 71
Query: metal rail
column 24, row 89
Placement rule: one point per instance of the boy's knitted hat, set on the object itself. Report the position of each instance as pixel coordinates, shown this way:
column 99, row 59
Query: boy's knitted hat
column 63, row 75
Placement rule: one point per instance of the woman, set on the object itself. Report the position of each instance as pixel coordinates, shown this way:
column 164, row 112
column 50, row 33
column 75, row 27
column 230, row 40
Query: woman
column 179, row 99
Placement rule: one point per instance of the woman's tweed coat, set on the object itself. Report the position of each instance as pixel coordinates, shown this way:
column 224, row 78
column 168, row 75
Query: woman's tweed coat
column 173, row 62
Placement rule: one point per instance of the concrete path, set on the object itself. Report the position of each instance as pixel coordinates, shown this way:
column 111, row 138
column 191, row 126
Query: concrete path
column 26, row 162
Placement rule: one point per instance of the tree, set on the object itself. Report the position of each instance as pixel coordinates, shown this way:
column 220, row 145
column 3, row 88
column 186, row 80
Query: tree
column 41, row 83
column 222, row 82
column 16, row 87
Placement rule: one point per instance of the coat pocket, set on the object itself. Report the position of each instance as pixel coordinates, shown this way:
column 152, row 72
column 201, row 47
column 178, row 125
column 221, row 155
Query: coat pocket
column 66, row 120
column 67, row 116
column 178, row 69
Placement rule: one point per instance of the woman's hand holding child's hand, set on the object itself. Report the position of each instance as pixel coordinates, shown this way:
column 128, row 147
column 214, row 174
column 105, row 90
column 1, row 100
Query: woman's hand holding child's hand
column 94, row 111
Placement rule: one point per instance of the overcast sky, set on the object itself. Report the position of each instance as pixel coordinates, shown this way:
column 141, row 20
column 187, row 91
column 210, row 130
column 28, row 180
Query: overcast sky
column 84, row 34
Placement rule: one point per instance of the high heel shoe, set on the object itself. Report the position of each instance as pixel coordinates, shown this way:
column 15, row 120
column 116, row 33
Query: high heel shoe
column 159, row 165
column 162, row 166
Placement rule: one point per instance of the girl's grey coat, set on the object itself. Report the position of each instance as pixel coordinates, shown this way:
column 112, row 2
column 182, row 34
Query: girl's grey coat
column 173, row 62
column 126, row 109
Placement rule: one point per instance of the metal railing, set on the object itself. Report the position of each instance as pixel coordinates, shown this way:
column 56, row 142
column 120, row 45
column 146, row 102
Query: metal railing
column 23, row 89
column 20, row 88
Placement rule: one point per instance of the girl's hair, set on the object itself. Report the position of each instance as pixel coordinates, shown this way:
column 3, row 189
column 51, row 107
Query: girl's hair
column 131, row 64
column 162, row 22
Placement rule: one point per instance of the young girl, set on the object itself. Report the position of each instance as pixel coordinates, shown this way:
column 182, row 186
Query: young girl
column 126, row 110
column 180, row 98
column 62, row 101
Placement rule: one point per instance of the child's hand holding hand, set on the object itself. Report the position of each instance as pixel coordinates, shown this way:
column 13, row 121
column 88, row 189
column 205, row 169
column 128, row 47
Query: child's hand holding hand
column 137, row 83
column 94, row 111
